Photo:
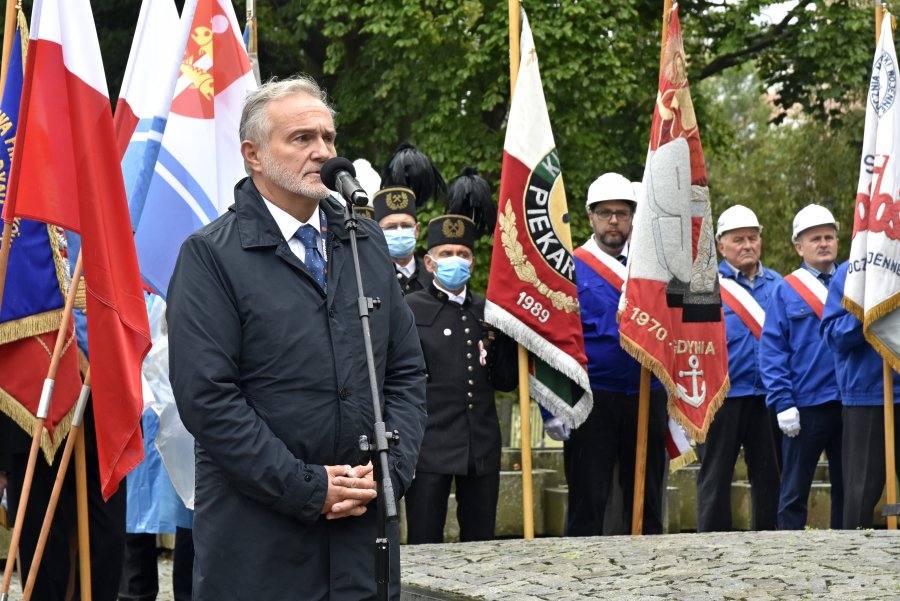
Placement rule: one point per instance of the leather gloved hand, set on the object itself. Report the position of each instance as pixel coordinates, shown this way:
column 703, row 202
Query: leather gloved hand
column 789, row 422
column 556, row 429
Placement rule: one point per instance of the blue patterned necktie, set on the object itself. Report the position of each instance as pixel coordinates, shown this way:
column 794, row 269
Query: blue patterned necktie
column 825, row 278
column 308, row 236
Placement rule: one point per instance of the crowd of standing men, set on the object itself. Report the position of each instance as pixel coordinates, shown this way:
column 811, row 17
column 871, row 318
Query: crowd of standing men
column 803, row 381
column 270, row 377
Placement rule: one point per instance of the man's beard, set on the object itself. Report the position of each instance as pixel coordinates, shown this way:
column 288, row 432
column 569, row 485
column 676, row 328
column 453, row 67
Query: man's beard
column 290, row 181
column 614, row 240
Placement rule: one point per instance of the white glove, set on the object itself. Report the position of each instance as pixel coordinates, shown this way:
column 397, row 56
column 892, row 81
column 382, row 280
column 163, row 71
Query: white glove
column 789, row 422
column 556, row 429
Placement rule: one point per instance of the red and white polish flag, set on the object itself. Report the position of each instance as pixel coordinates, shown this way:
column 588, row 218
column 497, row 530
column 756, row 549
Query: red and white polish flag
column 66, row 172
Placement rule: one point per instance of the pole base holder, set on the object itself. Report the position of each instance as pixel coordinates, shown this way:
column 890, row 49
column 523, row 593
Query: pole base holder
column 889, row 510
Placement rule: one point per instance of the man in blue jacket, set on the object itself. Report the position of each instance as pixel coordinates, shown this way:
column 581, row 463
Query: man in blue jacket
column 743, row 420
column 860, row 378
column 798, row 370
column 609, row 435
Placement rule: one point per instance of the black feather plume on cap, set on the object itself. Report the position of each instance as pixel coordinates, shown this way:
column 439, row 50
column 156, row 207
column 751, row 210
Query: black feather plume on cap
column 470, row 195
column 411, row 168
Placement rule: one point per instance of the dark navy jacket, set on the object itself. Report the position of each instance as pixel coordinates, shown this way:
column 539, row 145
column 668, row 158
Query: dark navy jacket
column 269, row 375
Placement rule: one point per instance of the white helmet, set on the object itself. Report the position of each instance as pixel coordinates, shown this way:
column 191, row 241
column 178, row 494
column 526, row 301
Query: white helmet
column 734, row 218
column 811, row 216
column 610, row 186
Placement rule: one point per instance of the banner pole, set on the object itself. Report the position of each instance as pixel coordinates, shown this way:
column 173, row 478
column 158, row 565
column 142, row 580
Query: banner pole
column 879, row 17
column 74, row 435
column 42, row 412
column 525, row 421
column 251, row 21
column 664, row 36
column 84, row 544
column 889, row 440
column 515, row 33
column 9, row 32
column 5, row 243
column 640, row 452
column 524, row 393
column 889, row 462
column 640, row 455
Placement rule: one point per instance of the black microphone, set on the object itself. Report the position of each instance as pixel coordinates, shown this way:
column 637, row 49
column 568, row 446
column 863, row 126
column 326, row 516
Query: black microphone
column 339, row 174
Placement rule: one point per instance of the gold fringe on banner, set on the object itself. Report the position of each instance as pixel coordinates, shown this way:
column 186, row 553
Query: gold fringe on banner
column 654, row 365
column 33, row 325
column 62, row 275
column 684, row 460
column 26, row 420
column 854, row 308
column 886, row 306
column 872, row 316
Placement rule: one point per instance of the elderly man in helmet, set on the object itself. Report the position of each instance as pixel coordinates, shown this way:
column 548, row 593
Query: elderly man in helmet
column 798, row 370
column 743, row 420
column 609, row 435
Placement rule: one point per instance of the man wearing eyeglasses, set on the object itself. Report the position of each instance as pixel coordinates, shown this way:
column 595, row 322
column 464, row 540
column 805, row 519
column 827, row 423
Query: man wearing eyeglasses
column 609, row 435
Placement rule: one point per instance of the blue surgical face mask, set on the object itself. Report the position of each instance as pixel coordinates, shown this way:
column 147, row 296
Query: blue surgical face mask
column 401, row 241
column 453, row 272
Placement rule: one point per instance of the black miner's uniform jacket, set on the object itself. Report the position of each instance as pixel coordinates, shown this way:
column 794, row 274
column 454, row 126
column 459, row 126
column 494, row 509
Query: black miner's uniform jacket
column 460, row 389
column 421, row 278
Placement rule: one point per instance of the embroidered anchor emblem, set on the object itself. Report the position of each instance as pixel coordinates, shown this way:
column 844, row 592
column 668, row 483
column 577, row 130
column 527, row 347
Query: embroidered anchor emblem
column 699, row 396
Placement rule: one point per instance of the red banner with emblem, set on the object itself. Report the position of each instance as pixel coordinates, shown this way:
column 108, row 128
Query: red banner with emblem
column 531, row 294
column 671, row 318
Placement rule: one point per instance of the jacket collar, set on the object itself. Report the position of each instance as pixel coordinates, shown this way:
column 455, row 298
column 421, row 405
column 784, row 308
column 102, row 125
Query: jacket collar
column 444, row 298
column 729, row 272
column 257, row 227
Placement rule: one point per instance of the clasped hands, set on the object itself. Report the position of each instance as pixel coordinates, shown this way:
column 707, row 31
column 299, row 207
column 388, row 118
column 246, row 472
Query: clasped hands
column 349, row 490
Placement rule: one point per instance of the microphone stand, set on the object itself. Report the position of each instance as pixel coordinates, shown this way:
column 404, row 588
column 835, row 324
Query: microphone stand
column 387, row 502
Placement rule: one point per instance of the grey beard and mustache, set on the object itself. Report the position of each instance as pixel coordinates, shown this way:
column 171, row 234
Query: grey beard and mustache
column 289, row 180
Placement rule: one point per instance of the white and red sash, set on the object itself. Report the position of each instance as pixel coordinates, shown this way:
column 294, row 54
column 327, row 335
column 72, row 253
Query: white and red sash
column 605, row 265
column 678, row 445
column 743, row 304
column 809, row 288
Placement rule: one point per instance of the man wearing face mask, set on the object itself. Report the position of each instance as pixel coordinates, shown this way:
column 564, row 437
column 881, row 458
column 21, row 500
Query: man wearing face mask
column 395, row 212
column 466, row 360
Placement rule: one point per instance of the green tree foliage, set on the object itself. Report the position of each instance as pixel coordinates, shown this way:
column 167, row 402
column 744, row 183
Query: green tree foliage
column 436, row 72
column 778, row 169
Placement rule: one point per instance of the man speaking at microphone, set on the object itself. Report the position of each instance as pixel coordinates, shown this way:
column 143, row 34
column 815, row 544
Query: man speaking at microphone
column 269, row 371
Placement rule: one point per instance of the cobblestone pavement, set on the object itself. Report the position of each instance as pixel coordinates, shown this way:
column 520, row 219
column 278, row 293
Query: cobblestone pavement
column 740, row 566
column 164, row 571
column 736, row 566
